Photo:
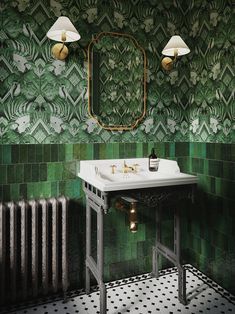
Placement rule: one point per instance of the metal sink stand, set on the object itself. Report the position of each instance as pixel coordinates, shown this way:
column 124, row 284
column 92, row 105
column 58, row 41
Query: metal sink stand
column 154, row 197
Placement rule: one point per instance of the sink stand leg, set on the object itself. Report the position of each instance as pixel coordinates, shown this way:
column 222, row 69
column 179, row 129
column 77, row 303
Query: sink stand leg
column 88, row 244
column 155, row 258
column 100, row 259
column 96, row 268
column 103, row 299
column 177, row 249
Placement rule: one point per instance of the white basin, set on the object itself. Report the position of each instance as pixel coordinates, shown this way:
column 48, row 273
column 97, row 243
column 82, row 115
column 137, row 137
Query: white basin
column 99, row 174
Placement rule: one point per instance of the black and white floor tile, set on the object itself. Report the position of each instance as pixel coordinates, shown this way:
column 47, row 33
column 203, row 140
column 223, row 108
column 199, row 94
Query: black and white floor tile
column 144, row 294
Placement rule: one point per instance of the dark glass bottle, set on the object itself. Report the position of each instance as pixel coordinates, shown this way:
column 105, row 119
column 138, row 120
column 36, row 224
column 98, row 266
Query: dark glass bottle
column 153, row 161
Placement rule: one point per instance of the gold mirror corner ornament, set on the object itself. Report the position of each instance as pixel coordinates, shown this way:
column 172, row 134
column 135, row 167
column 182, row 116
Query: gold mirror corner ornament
column 117, row 76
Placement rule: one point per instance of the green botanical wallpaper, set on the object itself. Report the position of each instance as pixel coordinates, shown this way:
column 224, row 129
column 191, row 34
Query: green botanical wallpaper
column 45, row 101
column 212, row 38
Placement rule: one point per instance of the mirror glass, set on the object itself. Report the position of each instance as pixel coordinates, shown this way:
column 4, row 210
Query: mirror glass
column 116, row 81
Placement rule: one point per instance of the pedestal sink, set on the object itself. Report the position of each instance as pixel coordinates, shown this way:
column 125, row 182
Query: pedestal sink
column 104, row 179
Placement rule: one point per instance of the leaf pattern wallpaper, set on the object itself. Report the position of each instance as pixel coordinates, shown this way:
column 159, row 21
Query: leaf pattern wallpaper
column 45, row 100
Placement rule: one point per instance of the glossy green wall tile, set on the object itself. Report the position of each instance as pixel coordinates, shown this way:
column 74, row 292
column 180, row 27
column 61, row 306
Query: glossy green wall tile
column 210, row 219
column 6, row 154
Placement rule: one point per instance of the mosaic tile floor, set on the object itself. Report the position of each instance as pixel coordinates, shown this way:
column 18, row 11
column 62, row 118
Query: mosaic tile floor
column 143, row 295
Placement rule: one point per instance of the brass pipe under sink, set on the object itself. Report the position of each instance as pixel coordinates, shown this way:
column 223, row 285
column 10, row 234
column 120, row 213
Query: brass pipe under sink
column 122, row 205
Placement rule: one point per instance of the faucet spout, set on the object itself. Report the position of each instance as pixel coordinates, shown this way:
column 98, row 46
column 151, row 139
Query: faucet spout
column 127, row 168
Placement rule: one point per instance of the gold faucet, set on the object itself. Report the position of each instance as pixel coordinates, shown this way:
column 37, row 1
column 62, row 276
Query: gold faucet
column 136, row 168
column 127, row 169
column 113, row 168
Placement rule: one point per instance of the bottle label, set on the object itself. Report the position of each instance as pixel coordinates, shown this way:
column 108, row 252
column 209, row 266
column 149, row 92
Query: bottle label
column 153, row 163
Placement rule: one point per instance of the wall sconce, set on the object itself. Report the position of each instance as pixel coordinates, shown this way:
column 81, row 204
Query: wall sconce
column 63, row 31
column 174, row 48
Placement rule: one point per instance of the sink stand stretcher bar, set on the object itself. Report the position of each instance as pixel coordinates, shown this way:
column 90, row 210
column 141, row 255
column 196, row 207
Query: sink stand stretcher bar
column 98, row 201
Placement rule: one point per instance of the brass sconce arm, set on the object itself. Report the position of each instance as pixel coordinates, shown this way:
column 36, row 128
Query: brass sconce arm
column 63, row 36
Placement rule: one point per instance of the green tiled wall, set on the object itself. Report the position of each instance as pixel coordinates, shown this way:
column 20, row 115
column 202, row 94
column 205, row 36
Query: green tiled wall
column 211, row 221
column 34, row 171
column 29, row 171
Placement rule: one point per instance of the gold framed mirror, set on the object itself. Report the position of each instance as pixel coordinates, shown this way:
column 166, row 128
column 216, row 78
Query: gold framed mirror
column 117, row 70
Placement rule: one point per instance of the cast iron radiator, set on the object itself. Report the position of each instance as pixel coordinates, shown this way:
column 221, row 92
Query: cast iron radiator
column 33, row 249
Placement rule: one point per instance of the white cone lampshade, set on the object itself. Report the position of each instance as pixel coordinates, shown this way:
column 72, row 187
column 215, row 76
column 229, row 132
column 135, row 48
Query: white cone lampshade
column 63, row 26
column 175, row 46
